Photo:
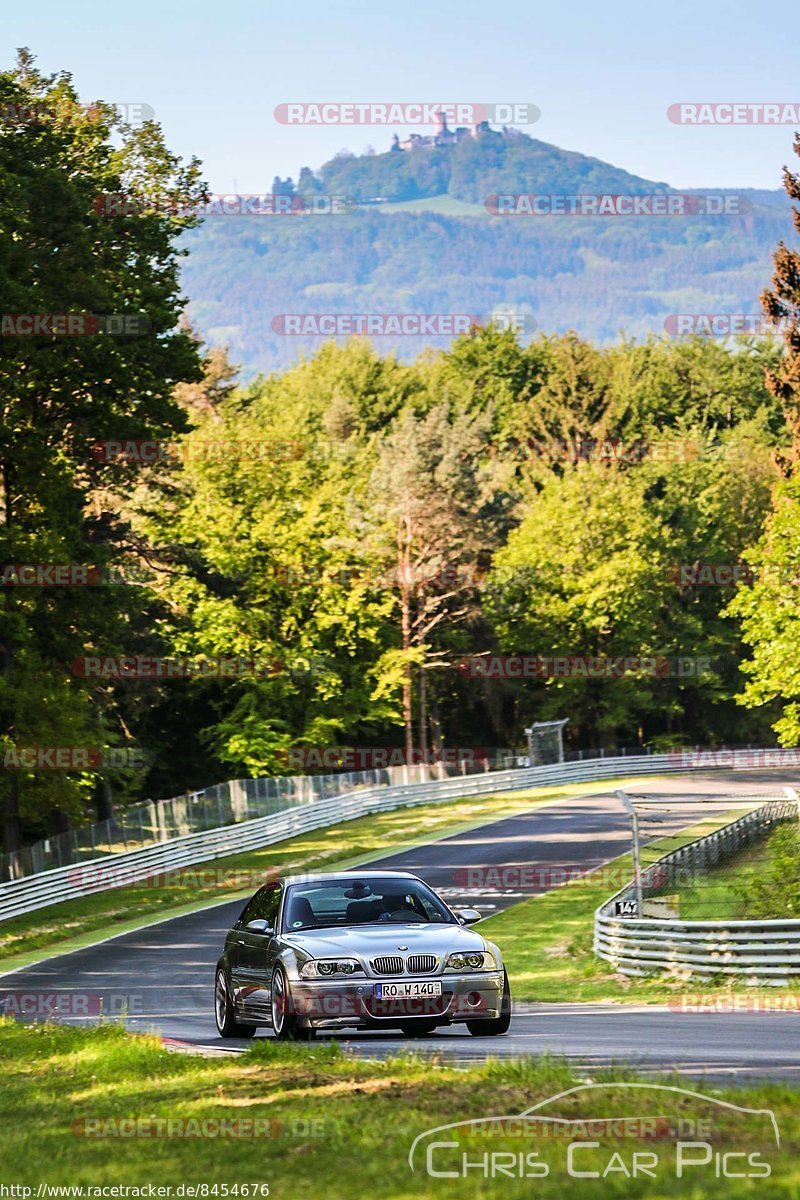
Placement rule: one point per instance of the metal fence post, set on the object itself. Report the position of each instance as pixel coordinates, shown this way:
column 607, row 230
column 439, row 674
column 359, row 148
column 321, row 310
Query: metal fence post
column 637, row 871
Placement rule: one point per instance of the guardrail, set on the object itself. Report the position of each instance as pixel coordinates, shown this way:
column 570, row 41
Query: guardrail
column 71, row 882
column 760, row 951
column 116, row 870
column 149, row 822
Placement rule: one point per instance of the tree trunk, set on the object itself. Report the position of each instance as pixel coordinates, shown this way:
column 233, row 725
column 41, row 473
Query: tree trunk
column 436, row 724
column 423, row 715
column 103, row 799
column 12, row 828
column 405, row 618
column 103, row 796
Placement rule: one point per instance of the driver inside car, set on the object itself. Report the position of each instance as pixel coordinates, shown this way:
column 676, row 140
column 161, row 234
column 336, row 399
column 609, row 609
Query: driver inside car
column 390, row 908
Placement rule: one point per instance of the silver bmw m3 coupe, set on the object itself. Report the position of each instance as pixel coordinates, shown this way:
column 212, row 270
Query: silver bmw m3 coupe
column 373, row 950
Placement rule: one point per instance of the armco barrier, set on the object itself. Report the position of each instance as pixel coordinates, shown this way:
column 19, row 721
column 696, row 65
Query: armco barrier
column 755, row 951
column 138, row 825
column 114, row 870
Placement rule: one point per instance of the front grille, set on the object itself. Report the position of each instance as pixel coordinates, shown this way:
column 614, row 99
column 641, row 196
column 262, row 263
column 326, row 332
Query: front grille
column 421, row 964
column 389, row 964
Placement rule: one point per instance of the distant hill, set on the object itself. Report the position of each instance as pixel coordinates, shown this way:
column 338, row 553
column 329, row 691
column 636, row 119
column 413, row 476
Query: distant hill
column 430, row 246
column 472, row 169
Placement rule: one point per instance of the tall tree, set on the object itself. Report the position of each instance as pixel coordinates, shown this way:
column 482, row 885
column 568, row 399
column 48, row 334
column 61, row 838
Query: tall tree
column 770, row 609
column 69, row 248
column 436, row 520
column 781, row 304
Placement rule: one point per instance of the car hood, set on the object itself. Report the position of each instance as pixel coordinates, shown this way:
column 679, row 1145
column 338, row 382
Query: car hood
column 371, row 940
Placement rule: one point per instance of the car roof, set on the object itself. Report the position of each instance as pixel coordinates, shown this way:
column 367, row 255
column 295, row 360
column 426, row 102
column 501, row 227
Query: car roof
column 329, row 876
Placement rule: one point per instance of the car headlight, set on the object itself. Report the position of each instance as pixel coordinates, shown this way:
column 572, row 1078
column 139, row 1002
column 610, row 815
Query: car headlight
column 470, row 962
column 324, row 968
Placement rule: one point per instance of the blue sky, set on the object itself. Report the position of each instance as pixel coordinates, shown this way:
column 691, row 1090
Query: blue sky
column 603, row 75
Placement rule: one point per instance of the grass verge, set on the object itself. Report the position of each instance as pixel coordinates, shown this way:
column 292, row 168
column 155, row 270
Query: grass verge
column 101, row 1108
column 760, row 882
column 75, row 923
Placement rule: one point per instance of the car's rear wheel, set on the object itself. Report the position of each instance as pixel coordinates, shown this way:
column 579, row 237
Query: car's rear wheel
column 285, row 1024
column 495, row 1026
column 419, row 1028
column 227, row 1024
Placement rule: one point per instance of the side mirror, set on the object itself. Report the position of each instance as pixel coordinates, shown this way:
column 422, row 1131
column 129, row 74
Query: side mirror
column 468, row 916
column 259, row 926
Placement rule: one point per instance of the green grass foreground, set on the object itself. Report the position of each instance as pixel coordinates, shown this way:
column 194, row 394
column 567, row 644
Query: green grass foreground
column 73, row 923
column 309, row 1121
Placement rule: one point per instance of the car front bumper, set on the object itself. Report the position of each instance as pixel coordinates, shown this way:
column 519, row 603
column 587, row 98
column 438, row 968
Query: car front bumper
column 329, row 1004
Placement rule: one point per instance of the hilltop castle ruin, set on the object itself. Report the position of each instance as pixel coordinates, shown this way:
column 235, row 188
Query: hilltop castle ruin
column 442, row 137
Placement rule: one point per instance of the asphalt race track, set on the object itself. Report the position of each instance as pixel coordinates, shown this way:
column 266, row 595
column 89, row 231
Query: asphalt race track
column 162, row 977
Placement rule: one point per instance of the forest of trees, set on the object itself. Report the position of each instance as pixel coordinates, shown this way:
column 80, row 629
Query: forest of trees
column 601, row 277
column 351, row 532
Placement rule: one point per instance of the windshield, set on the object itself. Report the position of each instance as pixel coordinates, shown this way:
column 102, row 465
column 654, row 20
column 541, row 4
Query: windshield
column 348, row 902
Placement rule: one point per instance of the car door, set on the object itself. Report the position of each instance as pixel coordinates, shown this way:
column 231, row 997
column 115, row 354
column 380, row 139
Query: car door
column 236, row 941
column 256, row 951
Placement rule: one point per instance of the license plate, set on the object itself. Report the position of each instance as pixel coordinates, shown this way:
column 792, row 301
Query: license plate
column 407, row 991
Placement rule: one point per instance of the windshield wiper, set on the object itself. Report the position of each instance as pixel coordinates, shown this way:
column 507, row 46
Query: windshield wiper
column 321, row 925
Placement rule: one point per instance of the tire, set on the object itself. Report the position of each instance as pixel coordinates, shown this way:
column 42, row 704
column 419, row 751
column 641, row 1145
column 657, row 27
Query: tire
column 495, row 1026
column 419, row 1028
column 227, row 1024
column 285, row 1023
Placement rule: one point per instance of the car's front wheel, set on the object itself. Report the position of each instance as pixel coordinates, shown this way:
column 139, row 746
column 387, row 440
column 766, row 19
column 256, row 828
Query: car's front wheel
column 227, row 1024
column 495, row 1025
column 285, row 1024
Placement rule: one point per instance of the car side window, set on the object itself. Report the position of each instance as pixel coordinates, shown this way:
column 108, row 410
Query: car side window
column 270, row 904
column 263, row 907
column 248, row 913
